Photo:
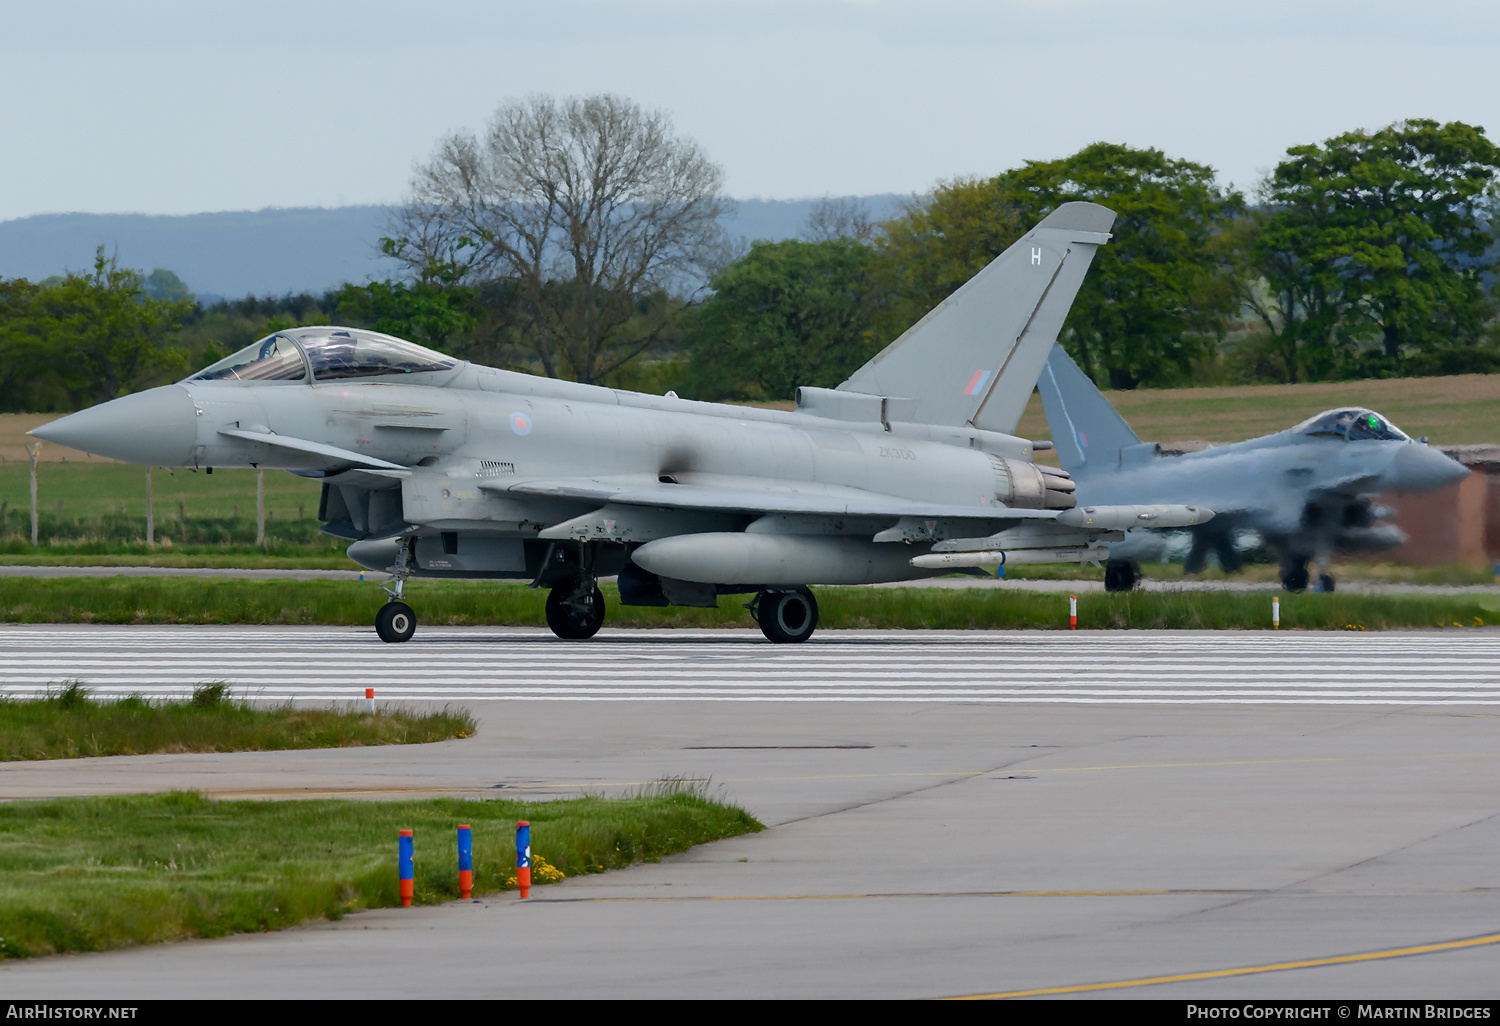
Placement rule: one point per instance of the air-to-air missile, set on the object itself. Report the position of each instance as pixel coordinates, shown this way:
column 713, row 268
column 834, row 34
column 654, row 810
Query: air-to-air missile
column 434, row 467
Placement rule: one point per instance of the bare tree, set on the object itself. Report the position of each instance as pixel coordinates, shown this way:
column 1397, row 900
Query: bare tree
column 838, row 219
column 589, row 205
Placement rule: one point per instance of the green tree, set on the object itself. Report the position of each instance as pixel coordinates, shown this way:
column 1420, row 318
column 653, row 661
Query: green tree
column 1377, row 238
column 420, row 311
column 163, row 284
column 1158, row 297
column 106, row 336
column 938, row 243
column 785, row 314
column 28, row 381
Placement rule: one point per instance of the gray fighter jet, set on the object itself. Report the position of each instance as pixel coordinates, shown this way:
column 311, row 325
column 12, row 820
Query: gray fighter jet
column 1305, row 491
column 433, row 467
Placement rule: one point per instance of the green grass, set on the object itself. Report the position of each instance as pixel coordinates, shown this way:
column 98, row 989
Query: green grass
column 88, row 874
column 246, row 557
column 91, row 490
column 67, row 724
column 127, row 600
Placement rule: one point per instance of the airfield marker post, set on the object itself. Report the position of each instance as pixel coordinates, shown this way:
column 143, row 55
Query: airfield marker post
column 1275, row 614
column 405, row 858
column 369, row 700
column 523, row 857
column 36, row 450
column 1072, row 612
column 465, row 861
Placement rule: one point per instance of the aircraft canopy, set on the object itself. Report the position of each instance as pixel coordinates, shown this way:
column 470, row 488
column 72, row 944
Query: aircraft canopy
column 328, row 353
column 1351, row 424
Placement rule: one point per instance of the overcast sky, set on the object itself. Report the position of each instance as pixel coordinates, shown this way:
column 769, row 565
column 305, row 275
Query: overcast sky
column 181, row 107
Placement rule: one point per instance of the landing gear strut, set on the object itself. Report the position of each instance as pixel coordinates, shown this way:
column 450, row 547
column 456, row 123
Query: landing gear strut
column 575, row 609
column 786, row 616
column 396, row 622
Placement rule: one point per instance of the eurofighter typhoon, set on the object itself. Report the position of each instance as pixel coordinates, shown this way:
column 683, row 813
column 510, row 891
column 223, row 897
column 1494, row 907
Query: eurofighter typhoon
column 437, row 468
column 1305, row 491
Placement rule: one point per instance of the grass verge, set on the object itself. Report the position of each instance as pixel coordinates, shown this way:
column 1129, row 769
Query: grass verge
column 145, row 600
column 88, row 874
column 67, row 724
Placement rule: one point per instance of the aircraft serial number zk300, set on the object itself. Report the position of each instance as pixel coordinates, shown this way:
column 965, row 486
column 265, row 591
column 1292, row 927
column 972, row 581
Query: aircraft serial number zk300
column 433, row 467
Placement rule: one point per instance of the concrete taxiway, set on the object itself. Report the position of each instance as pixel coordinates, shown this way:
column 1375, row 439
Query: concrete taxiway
column 927, row 848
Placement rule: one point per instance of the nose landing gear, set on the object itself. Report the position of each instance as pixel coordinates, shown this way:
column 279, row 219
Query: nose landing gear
column 396, row 622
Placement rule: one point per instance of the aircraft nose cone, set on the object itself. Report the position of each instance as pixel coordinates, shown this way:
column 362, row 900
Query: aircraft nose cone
column 157, row 428
column 1418, row 467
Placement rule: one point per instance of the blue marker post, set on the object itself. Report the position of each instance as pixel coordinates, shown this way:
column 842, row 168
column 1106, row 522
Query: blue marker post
column 523, row 857
column 406, row 864
column 465, row 861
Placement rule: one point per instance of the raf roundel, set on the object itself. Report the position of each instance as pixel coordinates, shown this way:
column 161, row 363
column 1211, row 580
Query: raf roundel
column 520, row 423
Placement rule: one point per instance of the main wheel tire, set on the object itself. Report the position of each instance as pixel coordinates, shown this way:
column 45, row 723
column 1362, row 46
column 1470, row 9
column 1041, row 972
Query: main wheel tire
column 1294, row 578
column 572, row 616
column 1120, row 575
column 1325, row 582
column 395, row 623
column 787, row 616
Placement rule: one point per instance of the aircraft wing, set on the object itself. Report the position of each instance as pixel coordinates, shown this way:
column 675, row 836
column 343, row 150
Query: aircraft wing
column 755, row 495
column 302, row 445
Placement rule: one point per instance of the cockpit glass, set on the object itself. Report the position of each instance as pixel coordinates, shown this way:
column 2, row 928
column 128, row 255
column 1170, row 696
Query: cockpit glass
column 1352, row 424
column 347, row 353
column 273, row 358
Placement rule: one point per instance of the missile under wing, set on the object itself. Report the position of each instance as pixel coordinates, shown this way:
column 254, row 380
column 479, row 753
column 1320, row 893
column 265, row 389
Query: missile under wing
column 1305, row 491
column 433, row 467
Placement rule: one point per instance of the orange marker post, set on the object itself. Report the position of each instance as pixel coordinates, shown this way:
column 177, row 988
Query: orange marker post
column 1072, row 612
column 465, row 861
column 405, row 861
column 523, row 857
column 369, row 700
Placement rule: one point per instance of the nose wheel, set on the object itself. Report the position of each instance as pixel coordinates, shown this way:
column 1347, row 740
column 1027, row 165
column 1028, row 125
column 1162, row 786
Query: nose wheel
column 395, row 622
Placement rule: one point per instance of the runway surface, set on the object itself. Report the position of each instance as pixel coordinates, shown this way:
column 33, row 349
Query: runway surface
column 463, row 664
column 1160, row 814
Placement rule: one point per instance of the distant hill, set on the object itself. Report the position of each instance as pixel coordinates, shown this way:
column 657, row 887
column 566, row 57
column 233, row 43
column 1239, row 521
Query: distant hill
column 280, row 250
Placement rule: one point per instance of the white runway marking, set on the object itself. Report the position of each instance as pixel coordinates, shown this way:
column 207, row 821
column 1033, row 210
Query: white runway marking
column 335, row 664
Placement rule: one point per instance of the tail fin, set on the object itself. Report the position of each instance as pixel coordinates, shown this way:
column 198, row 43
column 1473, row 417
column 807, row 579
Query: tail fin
column 1084, row 425
column 975, row 358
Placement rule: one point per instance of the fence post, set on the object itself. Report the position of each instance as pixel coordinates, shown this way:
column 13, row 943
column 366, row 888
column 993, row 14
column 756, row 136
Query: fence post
column 33, row 451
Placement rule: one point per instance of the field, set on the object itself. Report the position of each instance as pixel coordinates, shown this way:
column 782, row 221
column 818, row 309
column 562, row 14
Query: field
column 1459, row 410
column 87, row 874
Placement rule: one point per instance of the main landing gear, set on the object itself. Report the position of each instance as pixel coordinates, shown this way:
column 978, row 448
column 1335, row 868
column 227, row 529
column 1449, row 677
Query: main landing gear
column 785, row 616
column 1295, row 576
column 575, row 609
column 1121, row 574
